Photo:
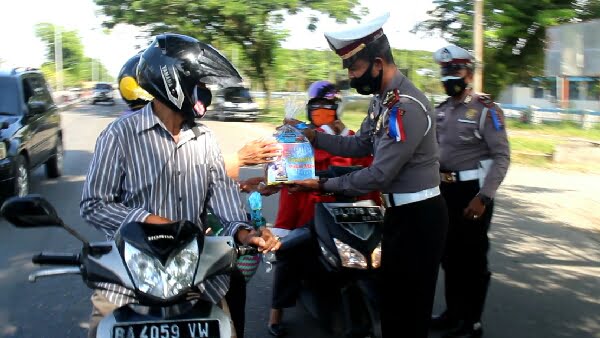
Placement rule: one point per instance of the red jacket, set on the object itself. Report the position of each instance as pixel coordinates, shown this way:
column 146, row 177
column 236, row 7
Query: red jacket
column 298, row 208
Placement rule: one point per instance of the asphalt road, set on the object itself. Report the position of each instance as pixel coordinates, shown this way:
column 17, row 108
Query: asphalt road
column 545, row 251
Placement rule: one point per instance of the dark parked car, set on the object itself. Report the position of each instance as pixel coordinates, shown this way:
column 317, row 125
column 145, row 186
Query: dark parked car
column 103, row 92
column 234, row 102
column 30, row 131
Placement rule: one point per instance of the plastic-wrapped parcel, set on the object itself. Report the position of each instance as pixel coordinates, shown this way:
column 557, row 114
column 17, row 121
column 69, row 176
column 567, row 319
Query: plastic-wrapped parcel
column 297, row 160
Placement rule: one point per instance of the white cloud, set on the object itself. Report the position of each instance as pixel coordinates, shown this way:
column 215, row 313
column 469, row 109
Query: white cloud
column 20, row 47
column 402, row 19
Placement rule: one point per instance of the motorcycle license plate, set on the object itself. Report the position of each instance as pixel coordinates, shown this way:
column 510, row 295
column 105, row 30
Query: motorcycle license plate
column 170, row 329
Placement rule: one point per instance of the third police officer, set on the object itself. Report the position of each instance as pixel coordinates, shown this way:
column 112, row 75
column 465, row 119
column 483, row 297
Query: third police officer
column 474, row 158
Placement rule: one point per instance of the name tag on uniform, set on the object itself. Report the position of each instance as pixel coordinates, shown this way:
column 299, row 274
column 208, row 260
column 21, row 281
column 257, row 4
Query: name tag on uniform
column 467, row 121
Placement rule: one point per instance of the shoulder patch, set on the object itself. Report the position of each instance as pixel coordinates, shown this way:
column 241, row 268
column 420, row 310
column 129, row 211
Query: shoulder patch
column 395, row 128
column 497, row 116
column 486, row 100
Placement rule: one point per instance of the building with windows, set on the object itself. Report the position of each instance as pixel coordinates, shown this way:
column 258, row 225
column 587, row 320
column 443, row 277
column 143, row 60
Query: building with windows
column 571, row 73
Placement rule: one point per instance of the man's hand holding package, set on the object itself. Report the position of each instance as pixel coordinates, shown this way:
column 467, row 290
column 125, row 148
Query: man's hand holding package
column 258, row 152
column 263, row 239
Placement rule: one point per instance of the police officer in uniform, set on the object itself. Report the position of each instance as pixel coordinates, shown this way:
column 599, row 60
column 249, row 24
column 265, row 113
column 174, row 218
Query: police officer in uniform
column 474, row 158
column 399, row 130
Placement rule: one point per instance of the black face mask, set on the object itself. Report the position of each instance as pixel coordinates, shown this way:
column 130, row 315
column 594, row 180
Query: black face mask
column 367, row 84
column 454, row 85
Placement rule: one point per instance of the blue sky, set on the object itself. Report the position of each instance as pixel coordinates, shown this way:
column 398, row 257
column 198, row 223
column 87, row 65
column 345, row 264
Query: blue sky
column 20, row 47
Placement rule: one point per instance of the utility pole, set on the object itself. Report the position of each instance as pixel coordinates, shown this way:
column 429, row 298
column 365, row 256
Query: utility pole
column 58, row 58
column 95, row 77
column 478, row 45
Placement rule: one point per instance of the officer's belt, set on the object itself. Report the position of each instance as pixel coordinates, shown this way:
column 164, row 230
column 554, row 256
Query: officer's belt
column 459, row 176
column 394, row 200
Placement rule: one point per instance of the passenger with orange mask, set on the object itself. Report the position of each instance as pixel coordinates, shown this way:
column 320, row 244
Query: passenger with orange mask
column 296, row 209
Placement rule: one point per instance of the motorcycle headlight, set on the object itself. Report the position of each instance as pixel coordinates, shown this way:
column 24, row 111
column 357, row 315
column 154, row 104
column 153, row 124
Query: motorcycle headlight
column 151, row 277
column 376, row 257
column 351, row 258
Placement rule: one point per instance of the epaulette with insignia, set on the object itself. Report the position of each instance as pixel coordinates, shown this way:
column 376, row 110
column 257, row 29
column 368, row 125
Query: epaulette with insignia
column 391, row 98
column 468, row 99
column 486, row 100
column 496, row 116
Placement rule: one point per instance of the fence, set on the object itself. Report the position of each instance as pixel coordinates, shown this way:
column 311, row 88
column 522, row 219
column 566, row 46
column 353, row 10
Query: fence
column 586, row 118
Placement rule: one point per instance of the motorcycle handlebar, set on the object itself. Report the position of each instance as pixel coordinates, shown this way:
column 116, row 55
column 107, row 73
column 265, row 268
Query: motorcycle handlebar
column 56, row 259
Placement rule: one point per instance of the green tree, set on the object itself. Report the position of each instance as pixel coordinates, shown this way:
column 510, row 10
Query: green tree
column 76, row 66
column 249, row 24
column 72, row 48
column 514, row 33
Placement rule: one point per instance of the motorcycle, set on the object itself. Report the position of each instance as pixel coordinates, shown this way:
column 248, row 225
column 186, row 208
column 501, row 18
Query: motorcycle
column 164, row 266
column 340, row 290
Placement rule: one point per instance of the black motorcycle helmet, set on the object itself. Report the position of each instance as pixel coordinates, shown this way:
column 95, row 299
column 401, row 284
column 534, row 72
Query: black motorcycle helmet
column 130, row 90
column 175, row 69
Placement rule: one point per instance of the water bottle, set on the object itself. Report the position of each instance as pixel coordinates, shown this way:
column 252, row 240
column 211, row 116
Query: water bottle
column 257, row 219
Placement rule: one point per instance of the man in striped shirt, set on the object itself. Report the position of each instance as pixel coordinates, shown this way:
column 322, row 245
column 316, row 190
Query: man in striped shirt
column 159, row 166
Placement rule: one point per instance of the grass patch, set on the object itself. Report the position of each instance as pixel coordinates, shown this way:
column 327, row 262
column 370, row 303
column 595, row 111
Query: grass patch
column 532, row 144
column 565, row 128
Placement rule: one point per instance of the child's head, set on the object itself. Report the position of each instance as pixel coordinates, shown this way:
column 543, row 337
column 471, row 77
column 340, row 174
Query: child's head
column 323, row 103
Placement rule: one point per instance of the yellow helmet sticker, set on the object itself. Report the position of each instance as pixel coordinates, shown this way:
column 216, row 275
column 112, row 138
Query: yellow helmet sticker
column 131, row 90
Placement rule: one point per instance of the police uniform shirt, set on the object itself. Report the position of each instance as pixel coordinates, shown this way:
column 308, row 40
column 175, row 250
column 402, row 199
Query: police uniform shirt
column 463, row 145
column 399, row 166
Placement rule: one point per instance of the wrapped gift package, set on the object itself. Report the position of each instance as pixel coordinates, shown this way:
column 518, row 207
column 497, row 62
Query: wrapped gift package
column 297, row 160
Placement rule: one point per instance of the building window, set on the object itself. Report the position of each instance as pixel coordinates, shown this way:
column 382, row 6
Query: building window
column 538, row 93
column 573, row 90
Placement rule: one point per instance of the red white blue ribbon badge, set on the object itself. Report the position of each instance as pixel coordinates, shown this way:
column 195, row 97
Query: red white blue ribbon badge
column 396, row 127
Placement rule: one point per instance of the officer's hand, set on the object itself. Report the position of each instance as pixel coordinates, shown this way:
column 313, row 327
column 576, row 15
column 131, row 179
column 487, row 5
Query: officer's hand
column 251, row 184
column 475, row 209
column 268, row 190
column 304, row 185
column 292, row 122
column 310, row 134
column 337, row 126
column 258, row 152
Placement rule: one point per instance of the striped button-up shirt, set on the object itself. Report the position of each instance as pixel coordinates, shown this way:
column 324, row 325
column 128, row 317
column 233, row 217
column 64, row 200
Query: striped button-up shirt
column 138, row 169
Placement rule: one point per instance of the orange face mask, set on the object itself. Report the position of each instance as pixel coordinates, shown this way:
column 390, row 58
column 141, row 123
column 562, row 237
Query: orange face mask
column 322, row 116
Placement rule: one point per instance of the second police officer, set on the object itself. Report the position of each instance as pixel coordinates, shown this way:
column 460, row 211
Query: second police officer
column 399, row 130
column 474, row 159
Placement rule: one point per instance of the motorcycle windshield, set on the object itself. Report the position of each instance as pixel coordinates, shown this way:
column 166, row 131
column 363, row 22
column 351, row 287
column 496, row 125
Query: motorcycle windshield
column 159, row 240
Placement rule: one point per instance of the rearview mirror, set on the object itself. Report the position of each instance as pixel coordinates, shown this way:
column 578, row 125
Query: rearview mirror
column 36, row 107
column 30, row 211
